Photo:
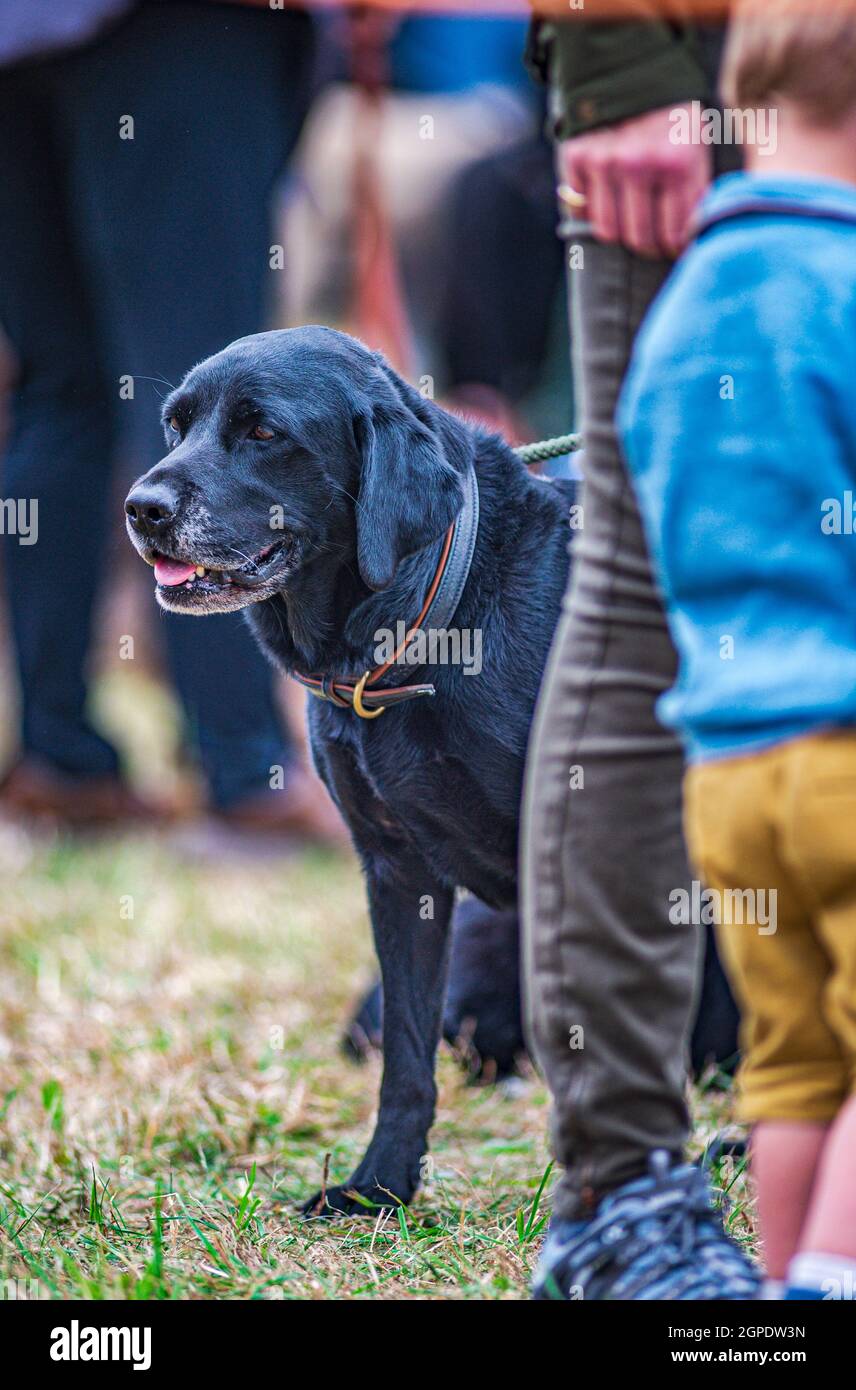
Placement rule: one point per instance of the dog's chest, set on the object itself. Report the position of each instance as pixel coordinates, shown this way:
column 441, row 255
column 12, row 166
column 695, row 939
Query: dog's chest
column 451, row 794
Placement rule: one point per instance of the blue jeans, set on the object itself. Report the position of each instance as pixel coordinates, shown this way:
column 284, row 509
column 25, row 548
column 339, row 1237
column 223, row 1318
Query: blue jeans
column 133, row 258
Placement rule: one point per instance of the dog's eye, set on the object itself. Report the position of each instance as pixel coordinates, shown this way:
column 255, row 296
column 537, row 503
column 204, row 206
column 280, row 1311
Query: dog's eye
column 261, row 432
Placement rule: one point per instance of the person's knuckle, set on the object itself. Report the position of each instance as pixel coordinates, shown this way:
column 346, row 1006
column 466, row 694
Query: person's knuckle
column 635, row 166
column 597, row 159
column 678, row 160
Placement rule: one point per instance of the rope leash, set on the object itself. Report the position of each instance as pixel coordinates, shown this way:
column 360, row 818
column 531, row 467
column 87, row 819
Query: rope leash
column 549, row 448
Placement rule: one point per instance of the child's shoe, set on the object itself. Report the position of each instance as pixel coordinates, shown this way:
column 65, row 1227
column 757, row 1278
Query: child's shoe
column 656, row 1238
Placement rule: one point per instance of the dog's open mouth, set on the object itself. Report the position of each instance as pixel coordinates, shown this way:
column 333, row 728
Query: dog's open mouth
column 173, row 574
column 179, row 581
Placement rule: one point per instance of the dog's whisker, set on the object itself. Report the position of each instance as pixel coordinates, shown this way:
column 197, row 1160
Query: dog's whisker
column 161, row 381
column 339, row 488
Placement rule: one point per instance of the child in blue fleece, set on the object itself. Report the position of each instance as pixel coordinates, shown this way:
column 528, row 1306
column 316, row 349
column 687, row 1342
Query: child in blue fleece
column 739, row 424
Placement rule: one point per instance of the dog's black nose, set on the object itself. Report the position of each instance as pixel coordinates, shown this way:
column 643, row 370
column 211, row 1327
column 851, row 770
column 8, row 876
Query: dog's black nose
column 150, row 507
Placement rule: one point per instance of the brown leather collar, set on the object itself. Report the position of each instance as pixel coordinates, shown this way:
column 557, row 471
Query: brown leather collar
column 441, row 601
column 347, row 691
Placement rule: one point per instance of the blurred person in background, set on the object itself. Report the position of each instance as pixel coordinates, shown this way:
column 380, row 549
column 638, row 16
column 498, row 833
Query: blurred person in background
column 452, row 91
column 501, row 322
column 140, row 142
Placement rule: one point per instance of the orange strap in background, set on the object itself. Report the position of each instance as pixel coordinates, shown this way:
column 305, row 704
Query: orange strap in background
column 377, row 312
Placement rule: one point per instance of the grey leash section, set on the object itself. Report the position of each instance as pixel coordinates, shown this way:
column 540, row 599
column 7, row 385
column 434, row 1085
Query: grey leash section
column 550, row 448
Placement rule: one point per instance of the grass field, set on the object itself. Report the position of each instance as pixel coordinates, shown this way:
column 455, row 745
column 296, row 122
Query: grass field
column 170, row 1084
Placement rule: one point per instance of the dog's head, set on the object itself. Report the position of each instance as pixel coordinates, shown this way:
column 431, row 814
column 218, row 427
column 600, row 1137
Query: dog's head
column 286, row 449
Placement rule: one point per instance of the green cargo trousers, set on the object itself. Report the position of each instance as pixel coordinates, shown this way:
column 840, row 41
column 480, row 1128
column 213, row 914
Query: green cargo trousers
column 609, row 980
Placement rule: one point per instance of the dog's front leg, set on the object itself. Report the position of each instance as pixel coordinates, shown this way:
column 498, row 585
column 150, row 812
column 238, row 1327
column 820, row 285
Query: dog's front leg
column 410, row 912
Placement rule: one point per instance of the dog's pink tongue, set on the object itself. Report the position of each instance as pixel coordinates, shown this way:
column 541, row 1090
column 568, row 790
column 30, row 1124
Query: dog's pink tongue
column 172, row 572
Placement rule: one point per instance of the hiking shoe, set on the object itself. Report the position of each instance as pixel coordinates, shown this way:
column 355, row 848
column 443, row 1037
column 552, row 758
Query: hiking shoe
column 656, row 1238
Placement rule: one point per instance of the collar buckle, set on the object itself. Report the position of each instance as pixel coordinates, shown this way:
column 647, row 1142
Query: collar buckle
column 357, row 700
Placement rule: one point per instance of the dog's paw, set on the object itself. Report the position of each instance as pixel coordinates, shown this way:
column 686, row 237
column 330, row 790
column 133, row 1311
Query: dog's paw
column 351, row 1199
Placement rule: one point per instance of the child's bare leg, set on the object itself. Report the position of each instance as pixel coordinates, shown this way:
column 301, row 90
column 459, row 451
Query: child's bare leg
column 831, row 1223
column 785, row 1155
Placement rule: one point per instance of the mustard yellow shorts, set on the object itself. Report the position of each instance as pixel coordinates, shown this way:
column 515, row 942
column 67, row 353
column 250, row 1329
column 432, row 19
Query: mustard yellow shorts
column 773, row 839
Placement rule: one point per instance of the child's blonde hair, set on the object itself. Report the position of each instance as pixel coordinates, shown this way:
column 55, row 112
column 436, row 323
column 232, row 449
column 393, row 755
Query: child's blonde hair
column 800, row 50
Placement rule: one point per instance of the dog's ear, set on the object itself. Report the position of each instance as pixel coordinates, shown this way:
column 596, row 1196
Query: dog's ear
column 413, row 457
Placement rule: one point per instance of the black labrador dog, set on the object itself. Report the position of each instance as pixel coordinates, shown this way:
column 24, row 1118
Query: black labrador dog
column 408, row 570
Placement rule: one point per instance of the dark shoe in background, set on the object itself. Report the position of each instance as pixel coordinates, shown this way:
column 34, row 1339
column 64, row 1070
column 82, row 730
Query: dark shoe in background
column 301, row 809
column 34, row 791
column 301, row 812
